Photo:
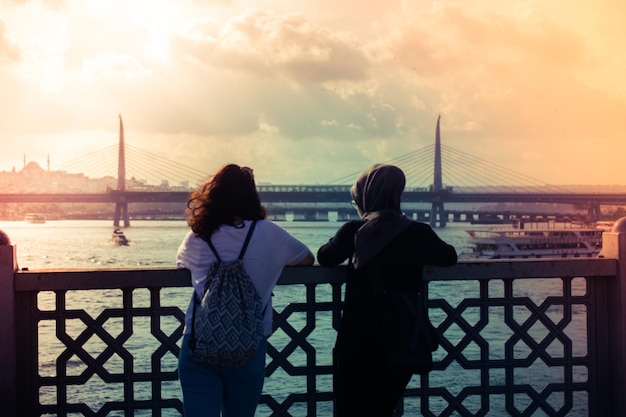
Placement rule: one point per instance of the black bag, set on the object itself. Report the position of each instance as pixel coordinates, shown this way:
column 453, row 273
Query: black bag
column 406, row 334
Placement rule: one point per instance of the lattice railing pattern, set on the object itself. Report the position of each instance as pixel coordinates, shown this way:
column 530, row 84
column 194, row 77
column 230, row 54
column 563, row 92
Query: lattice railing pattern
column 520, row 347
column 117, row 352
column 509, row 347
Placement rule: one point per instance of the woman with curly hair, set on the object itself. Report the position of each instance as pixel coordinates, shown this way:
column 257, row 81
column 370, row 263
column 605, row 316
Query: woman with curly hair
column 222, row 212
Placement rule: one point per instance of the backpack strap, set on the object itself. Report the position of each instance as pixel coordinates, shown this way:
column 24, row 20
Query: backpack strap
column 245, row 243
column 243, row 248
column 214, row 251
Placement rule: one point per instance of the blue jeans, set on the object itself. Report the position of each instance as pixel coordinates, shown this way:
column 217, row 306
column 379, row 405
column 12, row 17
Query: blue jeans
column 209, row 389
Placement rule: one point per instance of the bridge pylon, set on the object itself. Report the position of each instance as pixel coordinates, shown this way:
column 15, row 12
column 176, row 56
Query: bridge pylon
column 437, row 211
column 121, row 207
column 593, row 212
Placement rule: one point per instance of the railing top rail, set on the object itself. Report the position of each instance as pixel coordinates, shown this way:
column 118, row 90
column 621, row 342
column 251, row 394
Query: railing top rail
column 524, row 268
column 82, row 279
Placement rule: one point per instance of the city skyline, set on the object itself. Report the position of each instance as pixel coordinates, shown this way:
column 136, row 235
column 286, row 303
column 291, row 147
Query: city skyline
column 33, row 178
column 314, row 91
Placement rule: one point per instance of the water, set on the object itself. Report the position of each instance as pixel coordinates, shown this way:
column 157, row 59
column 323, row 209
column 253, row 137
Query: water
column 84, row 243
column 67, row 244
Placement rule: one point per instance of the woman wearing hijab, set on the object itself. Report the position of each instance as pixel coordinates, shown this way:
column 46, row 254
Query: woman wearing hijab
column 396, row 245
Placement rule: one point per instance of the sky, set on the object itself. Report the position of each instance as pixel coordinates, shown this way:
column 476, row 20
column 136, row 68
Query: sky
column 309, row 91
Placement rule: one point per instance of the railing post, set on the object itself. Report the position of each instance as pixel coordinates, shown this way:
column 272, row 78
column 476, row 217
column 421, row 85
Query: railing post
column 8, row 352
column 614, row 247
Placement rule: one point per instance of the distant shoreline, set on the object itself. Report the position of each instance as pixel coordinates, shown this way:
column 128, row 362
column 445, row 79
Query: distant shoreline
column 86, row 217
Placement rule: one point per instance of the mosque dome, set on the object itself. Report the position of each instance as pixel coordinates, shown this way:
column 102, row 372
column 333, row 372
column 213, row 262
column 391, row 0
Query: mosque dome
column 33, row 167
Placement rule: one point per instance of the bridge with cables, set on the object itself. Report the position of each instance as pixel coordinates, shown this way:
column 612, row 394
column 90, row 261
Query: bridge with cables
column 144, row 177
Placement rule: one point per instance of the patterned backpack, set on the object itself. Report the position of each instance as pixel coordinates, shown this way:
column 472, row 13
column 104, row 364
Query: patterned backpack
column 228, row 322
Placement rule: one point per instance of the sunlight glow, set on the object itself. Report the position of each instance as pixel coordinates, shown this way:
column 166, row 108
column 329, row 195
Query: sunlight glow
column 150, row 22
column 42, row 39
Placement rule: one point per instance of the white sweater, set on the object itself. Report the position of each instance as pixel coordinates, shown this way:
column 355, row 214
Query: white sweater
column 270, row 249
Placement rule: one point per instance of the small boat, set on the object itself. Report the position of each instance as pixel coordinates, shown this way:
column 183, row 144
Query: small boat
column 35, row 218
column 558, row 242
column 118, row 238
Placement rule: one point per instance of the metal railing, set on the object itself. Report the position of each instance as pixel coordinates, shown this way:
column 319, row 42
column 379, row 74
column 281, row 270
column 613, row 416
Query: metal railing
column 518, row 337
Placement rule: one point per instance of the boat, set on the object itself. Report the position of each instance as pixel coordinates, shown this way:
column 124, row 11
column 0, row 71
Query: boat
column 512, row 242
column 34, row 218
column 118, row 238
column 606, row 225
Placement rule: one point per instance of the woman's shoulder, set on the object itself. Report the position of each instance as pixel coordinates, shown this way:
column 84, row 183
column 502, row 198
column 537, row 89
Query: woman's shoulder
column 348, row 230
column 415, row 225
column 271, row 229
column 267, row 225
column 193, row 241
column 352, row 224
column 191, row 236
column 418, row 228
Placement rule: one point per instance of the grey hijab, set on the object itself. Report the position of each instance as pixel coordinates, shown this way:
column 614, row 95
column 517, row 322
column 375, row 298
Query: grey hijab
column 377, row 193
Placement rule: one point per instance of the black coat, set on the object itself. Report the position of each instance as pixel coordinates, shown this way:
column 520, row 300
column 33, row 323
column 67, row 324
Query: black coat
column 402, row 262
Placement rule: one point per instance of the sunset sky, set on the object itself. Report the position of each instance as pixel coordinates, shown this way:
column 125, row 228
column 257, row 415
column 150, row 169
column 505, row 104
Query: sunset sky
column 309, row 91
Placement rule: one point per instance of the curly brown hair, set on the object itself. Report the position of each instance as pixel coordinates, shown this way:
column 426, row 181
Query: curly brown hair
column 227, row 197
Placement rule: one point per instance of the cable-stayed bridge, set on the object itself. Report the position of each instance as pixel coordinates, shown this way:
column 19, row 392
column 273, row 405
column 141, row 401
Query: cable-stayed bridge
column 436, row 175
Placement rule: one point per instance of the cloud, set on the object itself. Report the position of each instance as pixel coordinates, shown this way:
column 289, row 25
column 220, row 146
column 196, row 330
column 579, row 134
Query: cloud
column 288, row 45
column 294, row 74
column 334, row 86
column 9, row 51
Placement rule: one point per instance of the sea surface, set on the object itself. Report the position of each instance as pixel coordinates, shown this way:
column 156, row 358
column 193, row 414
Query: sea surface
column 70, row 244
column 85, row 243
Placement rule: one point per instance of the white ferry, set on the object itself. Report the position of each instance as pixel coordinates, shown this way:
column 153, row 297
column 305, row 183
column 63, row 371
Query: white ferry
column 34, row 218
column 507, row 243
